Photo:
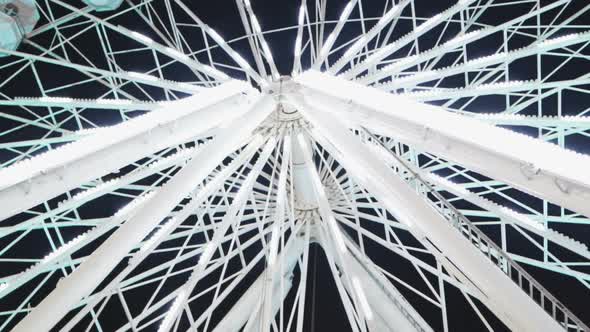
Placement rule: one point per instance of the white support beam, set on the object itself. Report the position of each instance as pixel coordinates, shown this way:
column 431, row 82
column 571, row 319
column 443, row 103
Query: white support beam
column 536, row 226
column 329, row 42
column 505, row 299
column 408, row 38
column 357, row 310
column 148, row 42
column 101, row 262
column 485, row 61
column 393, row 13
column 64, row 102
column 299, row 39
column 43, row 177
column 392, row 311
column 277, row 234
column 136, row 77
column 101, row 189
column 223, row 44
column 250, row 302
column 517, row 88
column 539, row 168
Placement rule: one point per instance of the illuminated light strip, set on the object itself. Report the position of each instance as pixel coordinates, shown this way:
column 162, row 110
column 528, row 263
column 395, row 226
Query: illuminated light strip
column 358, row 289
column 213, row 72
column 492, row 59
column 255, row 24
column 216, row 36
column 265, row 47
column 428, row 23
column 299, row 39
column 158, row 234
column 235, row 55
column 234, row 209
column 463, row 37
column 281, row 196
column 173, row 312
column 143, row 76
column 90, row 131
column 503, row 212
column 535, row 121
column 177, row 54
column 78, row 103
column 362, row 41
column 163, row 83
column 178, row 155
column 298, row 46
column 187, row 86
column 472, row 197
column 274, row 245
column 446, row 183
column 19, row 172
column 390, row 48
column 92, row 234
column 115, row 101
column 415, row 59
column 186, row 59
column 301, row 17
column 390, row 14
column 356, row 46
column 491, row 88
column 520, row 217
column 406, row 204
column 88, row 192
column 559, row 174
column 553, row 41
column 138, row 201
column 326, row 212
column 141, row 37
column 329, row 42
column 208, row 252
column 63, row 248
column 56, row 99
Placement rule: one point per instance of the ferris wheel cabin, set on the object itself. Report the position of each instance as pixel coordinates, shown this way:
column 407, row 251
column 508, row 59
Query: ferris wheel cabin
column 17, row 18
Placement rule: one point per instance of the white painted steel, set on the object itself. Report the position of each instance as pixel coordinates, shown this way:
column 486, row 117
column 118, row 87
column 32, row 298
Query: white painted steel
column 152, row 141
column 542, row 169
column 515, row 308
column 87, row 276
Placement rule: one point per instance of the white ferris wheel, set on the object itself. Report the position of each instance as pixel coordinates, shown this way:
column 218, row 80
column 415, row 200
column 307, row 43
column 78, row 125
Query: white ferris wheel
column 160, row 174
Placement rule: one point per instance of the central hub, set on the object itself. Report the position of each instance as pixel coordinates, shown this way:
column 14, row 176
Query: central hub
column 288, row 119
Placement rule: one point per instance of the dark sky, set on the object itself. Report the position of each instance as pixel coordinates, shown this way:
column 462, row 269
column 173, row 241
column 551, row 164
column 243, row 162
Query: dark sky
column 324, row 312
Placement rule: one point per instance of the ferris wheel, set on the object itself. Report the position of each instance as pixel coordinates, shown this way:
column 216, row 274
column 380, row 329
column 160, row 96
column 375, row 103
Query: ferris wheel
column 163, row 168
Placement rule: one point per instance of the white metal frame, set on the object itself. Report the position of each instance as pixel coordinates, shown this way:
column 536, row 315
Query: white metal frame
column 228, row 173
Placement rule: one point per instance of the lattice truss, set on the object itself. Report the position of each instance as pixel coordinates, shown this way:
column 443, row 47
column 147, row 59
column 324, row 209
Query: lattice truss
column 156, row 175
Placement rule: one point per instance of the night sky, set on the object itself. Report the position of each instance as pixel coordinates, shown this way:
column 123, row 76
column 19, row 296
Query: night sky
column 324, row 310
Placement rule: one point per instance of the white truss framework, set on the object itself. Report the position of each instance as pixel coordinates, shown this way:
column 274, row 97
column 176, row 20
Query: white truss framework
column 156, row 176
